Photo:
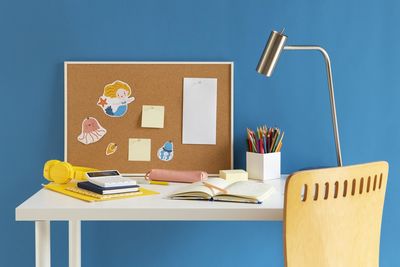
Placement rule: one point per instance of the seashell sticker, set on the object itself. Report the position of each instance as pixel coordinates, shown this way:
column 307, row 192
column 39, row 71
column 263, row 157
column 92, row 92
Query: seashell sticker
column 166, row 152
column 111, row 148
column 115, row 99
column 92, row 131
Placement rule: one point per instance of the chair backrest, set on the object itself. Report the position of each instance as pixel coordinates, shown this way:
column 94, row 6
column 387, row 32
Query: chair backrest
column 333, row 216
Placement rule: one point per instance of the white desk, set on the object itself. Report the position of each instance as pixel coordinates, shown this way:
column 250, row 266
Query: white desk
column 46, row 206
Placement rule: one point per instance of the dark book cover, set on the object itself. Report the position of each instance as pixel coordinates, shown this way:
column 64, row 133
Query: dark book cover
column 106, row 190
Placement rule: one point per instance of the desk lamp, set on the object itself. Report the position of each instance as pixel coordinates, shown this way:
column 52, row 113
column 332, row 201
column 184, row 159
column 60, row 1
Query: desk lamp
column 269, row 58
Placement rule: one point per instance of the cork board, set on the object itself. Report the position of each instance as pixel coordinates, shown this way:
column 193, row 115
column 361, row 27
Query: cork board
column 152, row 83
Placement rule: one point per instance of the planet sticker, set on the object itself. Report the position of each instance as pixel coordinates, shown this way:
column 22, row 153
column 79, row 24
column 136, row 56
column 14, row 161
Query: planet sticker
column 111, row 148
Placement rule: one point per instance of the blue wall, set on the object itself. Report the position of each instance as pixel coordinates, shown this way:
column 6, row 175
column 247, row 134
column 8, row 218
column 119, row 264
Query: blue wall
column 362, row 38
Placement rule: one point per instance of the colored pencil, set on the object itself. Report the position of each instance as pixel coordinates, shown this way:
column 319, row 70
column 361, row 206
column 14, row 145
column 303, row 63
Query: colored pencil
column 264, row 140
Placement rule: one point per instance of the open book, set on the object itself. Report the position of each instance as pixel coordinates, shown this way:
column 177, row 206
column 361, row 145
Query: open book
column 242, row 191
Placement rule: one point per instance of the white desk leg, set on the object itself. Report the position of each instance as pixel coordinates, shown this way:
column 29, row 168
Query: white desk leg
column 42, row 243
column 74, row 228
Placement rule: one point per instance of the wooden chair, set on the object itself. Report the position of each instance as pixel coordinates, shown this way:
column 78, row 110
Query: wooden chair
column 333, row 216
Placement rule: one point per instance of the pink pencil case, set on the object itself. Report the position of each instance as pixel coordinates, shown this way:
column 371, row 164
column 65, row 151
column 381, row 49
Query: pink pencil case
column 176, row 176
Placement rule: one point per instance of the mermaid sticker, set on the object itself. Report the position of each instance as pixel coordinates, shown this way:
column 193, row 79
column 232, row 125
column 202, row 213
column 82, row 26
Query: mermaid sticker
column 115, row 99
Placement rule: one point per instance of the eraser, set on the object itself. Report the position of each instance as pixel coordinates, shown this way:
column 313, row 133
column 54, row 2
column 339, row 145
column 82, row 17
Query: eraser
column 234, row 175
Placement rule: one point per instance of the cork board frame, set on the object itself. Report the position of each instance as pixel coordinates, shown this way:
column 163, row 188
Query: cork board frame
column 154, row 83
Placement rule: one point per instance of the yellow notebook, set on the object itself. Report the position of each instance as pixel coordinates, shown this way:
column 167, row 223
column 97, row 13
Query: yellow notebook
column 71, row 189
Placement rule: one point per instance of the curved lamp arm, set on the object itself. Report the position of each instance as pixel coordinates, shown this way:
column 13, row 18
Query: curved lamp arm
column 331, row 93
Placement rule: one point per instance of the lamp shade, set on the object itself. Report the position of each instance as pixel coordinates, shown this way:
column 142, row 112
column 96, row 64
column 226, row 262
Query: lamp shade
column 271, row 53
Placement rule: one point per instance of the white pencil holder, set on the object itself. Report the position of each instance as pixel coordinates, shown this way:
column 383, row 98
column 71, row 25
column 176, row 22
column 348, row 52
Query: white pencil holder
column 263, row 166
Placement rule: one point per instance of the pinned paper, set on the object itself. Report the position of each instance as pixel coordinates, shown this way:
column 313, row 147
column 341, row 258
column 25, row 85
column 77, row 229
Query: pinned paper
column 139, row 149
column 111, row 148
column 92, row 131
column 166, row 152
column 199, row 111
column 115, row 99
column 153, row 116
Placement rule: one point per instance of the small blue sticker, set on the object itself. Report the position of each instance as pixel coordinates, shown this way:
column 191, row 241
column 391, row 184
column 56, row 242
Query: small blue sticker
column 166, row 152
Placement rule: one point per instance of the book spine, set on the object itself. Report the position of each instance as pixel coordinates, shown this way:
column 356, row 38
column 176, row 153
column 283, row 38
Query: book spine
column 95, row 190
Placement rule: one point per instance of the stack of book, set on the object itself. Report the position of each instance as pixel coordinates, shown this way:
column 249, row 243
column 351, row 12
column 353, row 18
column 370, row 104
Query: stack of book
column 101, row 185
column 107, row 187
column 108, row 190
column 106, row 193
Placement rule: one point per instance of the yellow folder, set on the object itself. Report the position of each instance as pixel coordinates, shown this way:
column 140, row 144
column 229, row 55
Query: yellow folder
column 72, row 190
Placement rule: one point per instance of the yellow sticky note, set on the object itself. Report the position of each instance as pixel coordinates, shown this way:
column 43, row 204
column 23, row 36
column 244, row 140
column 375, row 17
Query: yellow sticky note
column 139, row 149
column 153, row 116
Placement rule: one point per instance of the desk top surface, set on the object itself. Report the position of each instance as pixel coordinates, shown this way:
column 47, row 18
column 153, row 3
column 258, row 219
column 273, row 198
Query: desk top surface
column 52, row 206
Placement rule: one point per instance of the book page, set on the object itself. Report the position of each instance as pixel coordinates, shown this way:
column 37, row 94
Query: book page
column 193, row 188
column 218, row 182
column 250, row 189
column 200, row 187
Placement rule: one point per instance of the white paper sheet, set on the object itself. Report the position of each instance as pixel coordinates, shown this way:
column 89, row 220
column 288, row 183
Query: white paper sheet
column 199, row 111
